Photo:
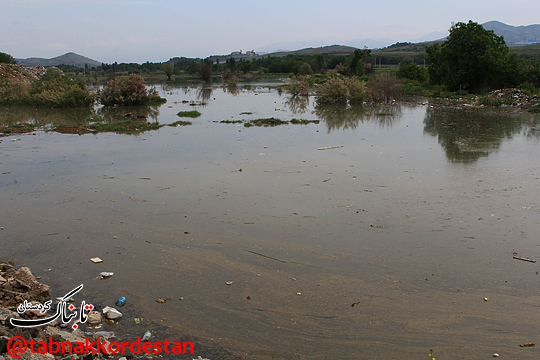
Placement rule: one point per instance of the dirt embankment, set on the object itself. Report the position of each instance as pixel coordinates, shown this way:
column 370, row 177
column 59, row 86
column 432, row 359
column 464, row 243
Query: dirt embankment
column 21, row 72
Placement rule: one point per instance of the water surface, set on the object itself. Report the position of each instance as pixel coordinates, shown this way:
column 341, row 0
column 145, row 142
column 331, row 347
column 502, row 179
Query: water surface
column 384, row 247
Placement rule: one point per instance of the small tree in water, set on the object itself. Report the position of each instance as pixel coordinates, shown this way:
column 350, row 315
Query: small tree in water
column 129, row 90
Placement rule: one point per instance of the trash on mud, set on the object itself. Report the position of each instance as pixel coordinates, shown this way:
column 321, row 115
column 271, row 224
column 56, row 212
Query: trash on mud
column 147, row 336
column 104, row 335
column 96, row 260
column 161, row 301
column 229, row 283
column 139, row 321
column 105, row 274
column 527, row 345
column 111, row 313
column 121, row 301
column 94, row 318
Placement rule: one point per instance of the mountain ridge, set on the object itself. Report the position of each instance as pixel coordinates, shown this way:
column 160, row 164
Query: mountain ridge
column 513, row 35
column 69, row 58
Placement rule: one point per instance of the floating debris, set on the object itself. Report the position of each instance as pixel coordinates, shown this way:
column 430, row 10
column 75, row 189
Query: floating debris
column 523, row 259
column 330, row 147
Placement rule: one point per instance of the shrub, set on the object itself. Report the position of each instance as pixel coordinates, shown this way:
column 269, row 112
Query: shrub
column 299, row 86
column 129, row 90
column 305, row 69
column 412, row 71
column 384, row 88
column 205, row 70
column 55, row 89
column 13, row 91
column 342, row 91
column 490, row 101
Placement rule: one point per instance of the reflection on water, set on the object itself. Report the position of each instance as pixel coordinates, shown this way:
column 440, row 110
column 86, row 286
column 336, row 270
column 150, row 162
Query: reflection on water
column 468, row 136
column 297, row 104
column 341, row 117
column 204, row 93
column 112, row 114
column 42, row 117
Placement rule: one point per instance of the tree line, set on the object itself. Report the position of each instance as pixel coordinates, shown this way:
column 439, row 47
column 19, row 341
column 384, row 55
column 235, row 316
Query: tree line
column 472, row 59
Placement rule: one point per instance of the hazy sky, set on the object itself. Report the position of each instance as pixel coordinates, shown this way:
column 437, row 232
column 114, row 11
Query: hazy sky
column 139, row 30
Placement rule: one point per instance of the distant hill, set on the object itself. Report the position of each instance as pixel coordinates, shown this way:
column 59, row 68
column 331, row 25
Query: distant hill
column 332, row 49
column 514, row 34
column 66, row 59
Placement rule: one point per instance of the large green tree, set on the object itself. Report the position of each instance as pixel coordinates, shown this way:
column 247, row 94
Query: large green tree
column 7, row 59
column 473, row 58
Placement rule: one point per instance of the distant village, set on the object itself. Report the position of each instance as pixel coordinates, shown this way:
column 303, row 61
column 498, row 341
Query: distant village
column 240, row 55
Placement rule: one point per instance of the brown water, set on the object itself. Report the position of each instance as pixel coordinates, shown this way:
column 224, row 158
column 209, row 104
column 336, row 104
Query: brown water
column 414, row 221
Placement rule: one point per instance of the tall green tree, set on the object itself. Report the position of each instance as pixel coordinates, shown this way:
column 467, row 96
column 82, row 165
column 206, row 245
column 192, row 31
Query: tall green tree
column 168, row 69
column 7, row 59
column 232, row 65
column 473, row 58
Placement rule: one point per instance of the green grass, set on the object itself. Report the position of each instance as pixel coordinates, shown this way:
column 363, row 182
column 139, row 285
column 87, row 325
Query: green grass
column 126, row 127
column 190, row 114
column 265, row 122
column 489, row 101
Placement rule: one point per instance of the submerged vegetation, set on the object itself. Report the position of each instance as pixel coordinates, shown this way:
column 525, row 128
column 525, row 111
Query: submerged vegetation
column 190, row 114
column 180, row 123
column 265, row 122
column 128, row 126
column 129, row 90
column 54, row 90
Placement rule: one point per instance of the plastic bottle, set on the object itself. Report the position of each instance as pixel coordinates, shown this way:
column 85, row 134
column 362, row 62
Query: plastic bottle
column 121, row 302
column 147, row 336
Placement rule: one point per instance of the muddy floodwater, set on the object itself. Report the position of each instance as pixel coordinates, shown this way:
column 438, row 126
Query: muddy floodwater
column 364, row 234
